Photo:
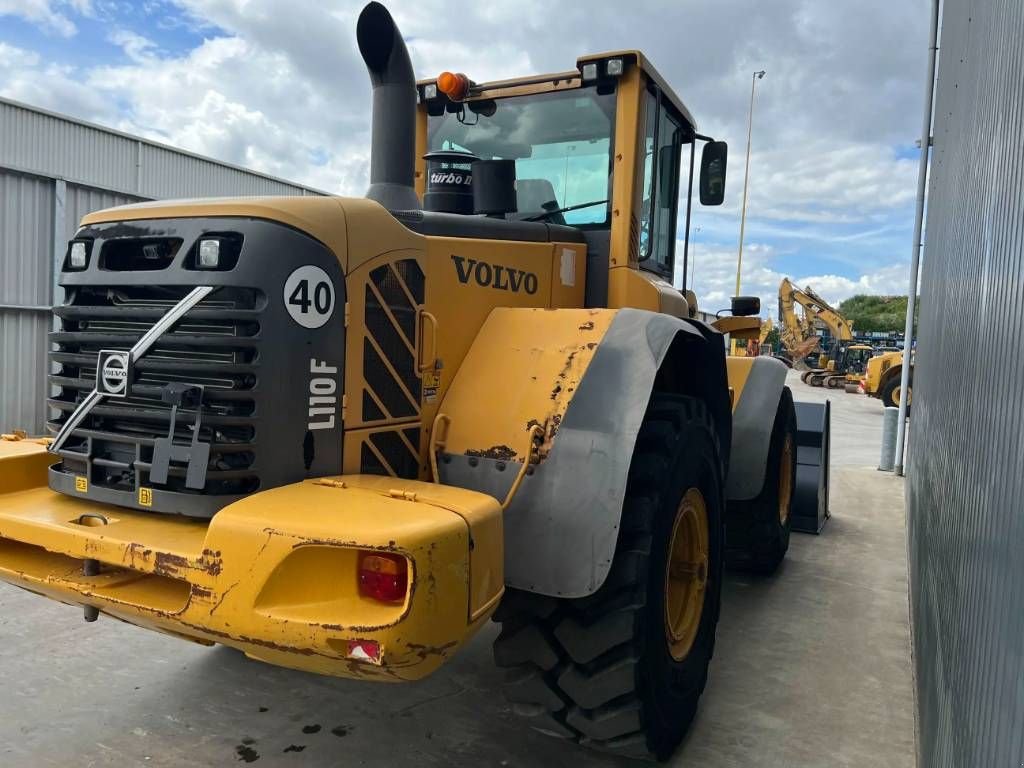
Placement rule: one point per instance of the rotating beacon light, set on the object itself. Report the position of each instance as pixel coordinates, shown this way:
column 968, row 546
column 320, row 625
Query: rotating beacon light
column 454, row 85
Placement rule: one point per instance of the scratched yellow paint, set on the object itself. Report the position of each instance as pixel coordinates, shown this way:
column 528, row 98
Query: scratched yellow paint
column 523, row 369
column 266, row 574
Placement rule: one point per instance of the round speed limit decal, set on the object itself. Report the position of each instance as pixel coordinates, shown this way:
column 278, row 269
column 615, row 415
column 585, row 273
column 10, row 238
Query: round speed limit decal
column 309, row 296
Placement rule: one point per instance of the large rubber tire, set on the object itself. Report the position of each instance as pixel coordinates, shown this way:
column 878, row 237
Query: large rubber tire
column 597, row 669
column 757, row 536
column 888, row 391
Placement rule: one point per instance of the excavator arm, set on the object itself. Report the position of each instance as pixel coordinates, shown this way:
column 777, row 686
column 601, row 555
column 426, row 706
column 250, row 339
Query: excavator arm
column 797, row 336
column 839, row 326
column 794, row 333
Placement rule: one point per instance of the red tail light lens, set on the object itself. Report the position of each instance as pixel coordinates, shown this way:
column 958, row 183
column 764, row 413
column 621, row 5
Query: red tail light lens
column 383, row 576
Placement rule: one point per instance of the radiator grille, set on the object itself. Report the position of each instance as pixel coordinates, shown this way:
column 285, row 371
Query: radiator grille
column 216, row 345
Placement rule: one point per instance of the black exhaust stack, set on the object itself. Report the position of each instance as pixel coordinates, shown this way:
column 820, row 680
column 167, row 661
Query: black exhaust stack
column 393, row 138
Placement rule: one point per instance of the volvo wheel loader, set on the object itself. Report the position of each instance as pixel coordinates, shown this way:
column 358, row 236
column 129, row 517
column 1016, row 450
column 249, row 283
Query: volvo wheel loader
column 883, row 379
column 342, row 434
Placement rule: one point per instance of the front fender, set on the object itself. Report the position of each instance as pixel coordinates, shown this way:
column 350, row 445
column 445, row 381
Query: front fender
column 585, row 377
column 757, row 384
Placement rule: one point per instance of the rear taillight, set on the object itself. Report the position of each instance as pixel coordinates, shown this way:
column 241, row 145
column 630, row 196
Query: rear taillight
column 383, row 576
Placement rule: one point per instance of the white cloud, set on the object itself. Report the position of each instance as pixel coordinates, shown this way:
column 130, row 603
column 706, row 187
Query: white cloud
column 12, row 58
column 714, row 278
column 279, row 86
column 46, row 14
column 135, row 46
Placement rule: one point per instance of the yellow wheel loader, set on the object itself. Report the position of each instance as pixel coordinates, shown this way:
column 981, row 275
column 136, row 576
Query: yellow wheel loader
column 342, row 434
column 882, row 379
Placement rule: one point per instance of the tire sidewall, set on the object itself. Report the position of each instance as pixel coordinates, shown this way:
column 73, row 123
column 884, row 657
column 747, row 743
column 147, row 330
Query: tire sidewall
column 672, row 684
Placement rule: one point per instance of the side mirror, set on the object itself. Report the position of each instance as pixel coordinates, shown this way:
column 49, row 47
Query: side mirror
column 712, row 172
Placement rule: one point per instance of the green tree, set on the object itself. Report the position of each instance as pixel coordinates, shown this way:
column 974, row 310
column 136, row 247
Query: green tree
column 877, row 313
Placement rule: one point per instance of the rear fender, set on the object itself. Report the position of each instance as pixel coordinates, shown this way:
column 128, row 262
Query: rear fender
column 584, row 377
column 894, row 371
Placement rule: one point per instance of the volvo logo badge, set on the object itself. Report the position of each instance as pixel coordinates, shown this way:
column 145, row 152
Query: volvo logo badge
column 112, row 371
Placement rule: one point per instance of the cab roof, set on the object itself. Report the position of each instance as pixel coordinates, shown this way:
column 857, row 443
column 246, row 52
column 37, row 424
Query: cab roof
column 573, row 79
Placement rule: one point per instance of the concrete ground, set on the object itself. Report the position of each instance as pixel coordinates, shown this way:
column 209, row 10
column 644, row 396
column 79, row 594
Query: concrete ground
column 812, row 668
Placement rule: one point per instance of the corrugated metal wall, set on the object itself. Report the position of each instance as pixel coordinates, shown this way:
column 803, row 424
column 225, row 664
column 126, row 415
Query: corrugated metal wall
column 966, row 468
column 54, row 145
column 26, row 220
column 54, row 170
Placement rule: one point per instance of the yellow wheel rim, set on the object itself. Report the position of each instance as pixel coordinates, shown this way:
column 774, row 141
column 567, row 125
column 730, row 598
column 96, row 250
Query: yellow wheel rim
column 686, row 574
column 785, row 479
column 897, row 394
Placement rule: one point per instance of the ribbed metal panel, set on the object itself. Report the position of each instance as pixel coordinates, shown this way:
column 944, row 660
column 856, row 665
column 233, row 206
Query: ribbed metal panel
column 166, row 173
column 23, row 369
column 54, row 145
column 82, row 200
column 26, row 220
column 965, row 479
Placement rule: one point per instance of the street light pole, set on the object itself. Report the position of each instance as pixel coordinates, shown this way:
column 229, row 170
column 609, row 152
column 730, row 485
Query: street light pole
column 746, row 176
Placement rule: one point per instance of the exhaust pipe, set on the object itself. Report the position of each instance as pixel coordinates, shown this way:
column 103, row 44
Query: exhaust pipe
column 393, row 126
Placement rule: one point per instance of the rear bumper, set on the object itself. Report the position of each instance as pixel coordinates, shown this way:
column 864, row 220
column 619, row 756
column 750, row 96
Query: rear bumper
column 274, row 574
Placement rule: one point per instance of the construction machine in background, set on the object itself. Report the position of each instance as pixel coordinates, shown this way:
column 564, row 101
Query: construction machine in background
column 796, row 332
column 844, row 363
column 883, row 377
column 342, row 434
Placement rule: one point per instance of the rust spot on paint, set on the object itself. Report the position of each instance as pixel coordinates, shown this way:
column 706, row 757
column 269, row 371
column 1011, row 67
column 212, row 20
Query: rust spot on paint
column 168, row 564
column 210, row 562
column 591, row 344
column 499, row 452
column 424, row 651
column 587, row 326
column 203, row 592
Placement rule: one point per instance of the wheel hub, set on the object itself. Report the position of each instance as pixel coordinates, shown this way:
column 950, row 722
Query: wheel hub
column 686, row 574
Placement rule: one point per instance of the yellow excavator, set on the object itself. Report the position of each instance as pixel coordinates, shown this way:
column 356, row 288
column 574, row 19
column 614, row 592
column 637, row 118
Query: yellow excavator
column 797, row 331
column 846, row 362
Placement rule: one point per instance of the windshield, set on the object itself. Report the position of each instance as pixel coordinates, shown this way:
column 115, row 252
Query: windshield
column 561, row 142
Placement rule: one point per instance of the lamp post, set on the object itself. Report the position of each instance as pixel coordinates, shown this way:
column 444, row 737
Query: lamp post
column 746, row 176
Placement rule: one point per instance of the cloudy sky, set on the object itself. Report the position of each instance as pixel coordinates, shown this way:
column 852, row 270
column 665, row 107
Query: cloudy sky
column 278, row 85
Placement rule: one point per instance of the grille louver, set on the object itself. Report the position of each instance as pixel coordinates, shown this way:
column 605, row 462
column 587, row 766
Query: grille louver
column 216, row 345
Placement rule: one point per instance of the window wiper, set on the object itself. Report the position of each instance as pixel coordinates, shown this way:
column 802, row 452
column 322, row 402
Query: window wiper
column 566, row 209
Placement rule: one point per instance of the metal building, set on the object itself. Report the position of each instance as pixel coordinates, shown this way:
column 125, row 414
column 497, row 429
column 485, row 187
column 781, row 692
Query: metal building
column 965, row 487
column 53, row 170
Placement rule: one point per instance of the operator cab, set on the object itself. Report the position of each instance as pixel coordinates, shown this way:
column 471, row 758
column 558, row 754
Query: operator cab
column 598, row 149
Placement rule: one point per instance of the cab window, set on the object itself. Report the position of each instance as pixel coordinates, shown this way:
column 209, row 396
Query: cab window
column 663, row 138
column 561, row 143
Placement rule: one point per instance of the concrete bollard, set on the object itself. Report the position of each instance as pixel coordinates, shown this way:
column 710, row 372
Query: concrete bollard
column 889, row 422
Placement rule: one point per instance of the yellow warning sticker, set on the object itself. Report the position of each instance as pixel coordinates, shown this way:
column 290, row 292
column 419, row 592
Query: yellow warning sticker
column 146, row 497
column 82, row 484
